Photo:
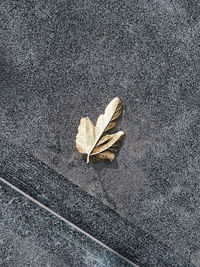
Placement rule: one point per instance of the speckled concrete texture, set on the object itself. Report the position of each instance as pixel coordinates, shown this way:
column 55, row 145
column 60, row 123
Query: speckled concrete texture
column 45, row 185
column 31, row 236
column 61, row 60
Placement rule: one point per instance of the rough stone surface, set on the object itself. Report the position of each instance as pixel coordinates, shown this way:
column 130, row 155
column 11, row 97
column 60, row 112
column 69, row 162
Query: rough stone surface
column 45, row 185
column 30, row 236
column 61, row 60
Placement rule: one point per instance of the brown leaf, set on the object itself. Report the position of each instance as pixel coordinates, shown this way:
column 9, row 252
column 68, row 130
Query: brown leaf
column 93, row 140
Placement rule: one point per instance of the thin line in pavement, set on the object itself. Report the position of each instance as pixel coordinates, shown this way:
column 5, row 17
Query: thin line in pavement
column 66, row 221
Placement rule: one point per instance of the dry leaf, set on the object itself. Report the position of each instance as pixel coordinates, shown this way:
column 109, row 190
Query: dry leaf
column 94, row 141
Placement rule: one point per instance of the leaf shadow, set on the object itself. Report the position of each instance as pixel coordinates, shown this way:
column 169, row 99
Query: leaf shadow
column 98, row 167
